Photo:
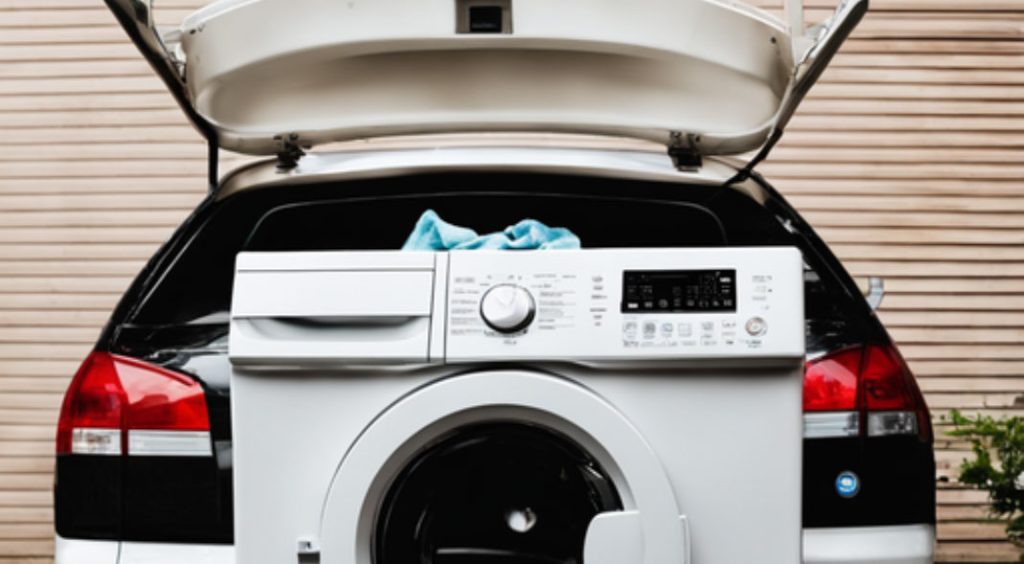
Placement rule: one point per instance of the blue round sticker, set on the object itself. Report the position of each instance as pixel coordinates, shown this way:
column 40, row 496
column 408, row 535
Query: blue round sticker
column 847, row 485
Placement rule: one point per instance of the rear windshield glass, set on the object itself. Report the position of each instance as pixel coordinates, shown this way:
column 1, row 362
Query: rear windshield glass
column 196, row 284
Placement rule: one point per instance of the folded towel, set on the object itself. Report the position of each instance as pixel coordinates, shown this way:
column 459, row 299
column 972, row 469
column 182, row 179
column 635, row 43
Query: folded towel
column 435, row 234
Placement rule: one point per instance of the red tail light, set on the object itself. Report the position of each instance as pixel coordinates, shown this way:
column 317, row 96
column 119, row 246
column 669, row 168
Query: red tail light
column 119, row 405
column 830, row 382
column 872, row 386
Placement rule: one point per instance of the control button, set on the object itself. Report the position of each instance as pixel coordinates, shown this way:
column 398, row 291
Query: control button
column 650, row 329
column 629, row 330
column 666, row 329
column 507, row 308
column 708, row 326
column 685, row 329
column 756, row 326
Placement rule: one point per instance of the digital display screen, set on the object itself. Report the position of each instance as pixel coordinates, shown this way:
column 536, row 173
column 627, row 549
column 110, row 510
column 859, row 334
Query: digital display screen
column 678, row 291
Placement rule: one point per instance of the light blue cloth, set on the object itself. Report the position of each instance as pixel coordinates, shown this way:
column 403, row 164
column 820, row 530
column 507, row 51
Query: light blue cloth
column 435, row 234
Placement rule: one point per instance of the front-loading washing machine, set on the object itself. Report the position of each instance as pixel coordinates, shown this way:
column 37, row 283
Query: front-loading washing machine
column 578, row 407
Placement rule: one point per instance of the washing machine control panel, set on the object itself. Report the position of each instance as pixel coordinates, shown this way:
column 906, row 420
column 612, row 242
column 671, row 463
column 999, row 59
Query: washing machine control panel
column 552, row 305
column 625, row 304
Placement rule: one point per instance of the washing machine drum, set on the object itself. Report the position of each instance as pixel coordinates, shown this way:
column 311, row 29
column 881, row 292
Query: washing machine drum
column 502, row 493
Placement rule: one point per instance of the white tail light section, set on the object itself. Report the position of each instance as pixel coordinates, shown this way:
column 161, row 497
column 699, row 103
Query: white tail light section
column 118, row 405
column 96, row 441
column 837, row 424
column 892, row 423
column 169, row 443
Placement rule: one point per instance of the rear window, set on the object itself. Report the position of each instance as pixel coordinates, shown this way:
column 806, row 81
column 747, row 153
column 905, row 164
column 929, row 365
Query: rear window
column 196, row 285
column 384, row 223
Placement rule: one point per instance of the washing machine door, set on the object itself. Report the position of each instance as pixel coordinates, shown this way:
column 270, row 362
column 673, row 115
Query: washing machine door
column 502, row 466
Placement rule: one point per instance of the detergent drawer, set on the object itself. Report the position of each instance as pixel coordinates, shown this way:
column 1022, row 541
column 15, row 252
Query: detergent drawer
column 315, row 308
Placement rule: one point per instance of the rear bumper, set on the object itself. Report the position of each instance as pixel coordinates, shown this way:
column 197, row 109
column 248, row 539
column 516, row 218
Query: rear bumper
column 911, row 544
column 908, row 544
column 67, row 551
column 72, row 551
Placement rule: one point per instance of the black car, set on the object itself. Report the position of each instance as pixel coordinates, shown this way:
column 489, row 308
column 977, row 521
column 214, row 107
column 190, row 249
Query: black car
column 144, row 464
column 162, row 363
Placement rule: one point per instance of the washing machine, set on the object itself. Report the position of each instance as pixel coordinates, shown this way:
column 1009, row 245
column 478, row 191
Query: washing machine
column 597, row 406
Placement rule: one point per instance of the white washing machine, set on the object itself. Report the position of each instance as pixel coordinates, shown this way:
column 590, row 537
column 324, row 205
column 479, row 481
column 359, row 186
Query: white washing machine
column 593, row 406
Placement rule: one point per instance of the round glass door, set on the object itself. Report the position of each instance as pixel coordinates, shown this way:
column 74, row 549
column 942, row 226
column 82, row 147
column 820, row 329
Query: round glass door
column 507, row 493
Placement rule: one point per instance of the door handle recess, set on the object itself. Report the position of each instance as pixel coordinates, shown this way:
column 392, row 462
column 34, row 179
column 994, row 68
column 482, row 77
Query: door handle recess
column 360, row 329
column 318, row 340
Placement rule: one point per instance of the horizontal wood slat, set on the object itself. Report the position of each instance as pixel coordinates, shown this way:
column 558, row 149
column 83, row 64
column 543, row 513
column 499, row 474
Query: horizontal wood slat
column 907, row 157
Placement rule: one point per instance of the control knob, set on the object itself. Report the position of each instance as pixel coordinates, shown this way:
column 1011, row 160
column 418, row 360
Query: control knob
column 507, row 308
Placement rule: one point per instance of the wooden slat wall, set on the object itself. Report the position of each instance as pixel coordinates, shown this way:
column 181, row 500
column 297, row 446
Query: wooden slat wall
column 908, row 157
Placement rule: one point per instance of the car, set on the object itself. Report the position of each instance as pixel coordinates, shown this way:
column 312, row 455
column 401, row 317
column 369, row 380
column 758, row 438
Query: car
column 144, row 443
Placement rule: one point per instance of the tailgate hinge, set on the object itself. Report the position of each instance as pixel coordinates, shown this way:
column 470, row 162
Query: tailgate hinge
column 289, row 151
column 685, row 157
